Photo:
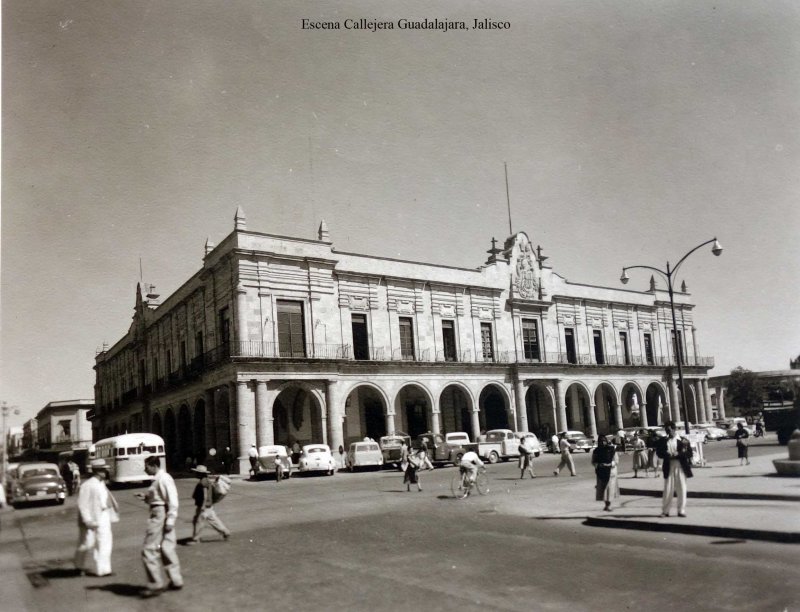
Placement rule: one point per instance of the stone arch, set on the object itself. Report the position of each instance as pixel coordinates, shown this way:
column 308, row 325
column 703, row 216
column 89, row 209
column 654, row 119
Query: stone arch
column 540, row 409
column 494, row 404
column 605, row 401
column 656, row 398
column 413, row 409
column 171, row 439
column 632, row 398
column 156, row 425
column 185, row 435
column 201, row 445
column 365, row 413
column 577, row 403
column 297, row 414
column 456, row 406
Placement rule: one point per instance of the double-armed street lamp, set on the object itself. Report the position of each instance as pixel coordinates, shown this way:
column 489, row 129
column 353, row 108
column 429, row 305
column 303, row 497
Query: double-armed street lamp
column 669, row 273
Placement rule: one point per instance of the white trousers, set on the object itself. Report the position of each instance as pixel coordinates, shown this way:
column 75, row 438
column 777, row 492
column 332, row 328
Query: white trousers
column 675, row 483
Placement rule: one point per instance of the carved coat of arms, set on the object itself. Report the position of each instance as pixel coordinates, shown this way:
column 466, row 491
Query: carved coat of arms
column 527, row 285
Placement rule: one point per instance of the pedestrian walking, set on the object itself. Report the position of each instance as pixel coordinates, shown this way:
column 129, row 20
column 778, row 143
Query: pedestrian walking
column 204, row 506
column 426, row 460
column 653, row 461
column 621, row 441
column 159, row 553
column 566, row 456
column 252, row 456
column 66, row 474
column 97, row 509
column 411, row 474
column 554, row 444
column 227, row 460
column 403, row 456
column 604, row 461
column 525, row 458
column 639, row 455
column 676, row 452
column 741, row 436
column 76, row 475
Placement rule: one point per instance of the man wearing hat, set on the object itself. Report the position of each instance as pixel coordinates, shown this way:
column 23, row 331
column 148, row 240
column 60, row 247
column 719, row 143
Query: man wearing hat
column 97, row 509
column 204, row 502
column 252, row 454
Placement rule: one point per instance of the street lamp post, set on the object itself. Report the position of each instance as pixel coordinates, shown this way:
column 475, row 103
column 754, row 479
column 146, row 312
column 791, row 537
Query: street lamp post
column 669, row 273
column 4, row 457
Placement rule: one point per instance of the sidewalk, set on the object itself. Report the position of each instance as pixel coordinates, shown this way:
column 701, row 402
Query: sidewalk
column 725, row 500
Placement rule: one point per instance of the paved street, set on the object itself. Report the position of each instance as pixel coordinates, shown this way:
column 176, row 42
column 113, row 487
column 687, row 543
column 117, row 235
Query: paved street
column 359, row 542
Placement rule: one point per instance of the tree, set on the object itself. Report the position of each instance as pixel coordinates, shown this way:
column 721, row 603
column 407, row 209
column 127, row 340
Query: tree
column 745, row 391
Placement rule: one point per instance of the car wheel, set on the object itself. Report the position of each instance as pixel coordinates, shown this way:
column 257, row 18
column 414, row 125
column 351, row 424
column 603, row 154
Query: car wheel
column 493, row 457
column 60, row 502
column 458, row 459
column 586, row 450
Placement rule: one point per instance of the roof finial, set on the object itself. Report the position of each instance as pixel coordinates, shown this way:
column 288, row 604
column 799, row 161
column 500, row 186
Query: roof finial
column 209, row 246
column 240, row 219
column 652, row 283
column 323, row 235
column 683, row 287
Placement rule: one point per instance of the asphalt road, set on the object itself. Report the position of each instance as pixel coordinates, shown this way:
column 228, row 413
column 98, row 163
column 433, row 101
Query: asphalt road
column 361, row 542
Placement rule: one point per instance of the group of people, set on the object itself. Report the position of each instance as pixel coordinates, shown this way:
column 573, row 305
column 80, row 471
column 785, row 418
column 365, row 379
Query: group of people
column 411, row 462
column 98, row 510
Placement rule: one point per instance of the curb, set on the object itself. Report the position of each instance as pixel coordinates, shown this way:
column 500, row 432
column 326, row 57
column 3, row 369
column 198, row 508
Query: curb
column 790, row 537
column 715, row 495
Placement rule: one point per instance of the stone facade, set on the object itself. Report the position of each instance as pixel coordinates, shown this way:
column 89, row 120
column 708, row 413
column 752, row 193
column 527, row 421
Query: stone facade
column 279, row 339
column 64, row 425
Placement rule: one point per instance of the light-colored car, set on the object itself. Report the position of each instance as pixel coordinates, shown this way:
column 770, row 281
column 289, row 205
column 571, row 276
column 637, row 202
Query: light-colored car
column 731, row 432
column 391, row 446
column 316, row 458
column 713, row 433
column 578, row 441
column 271, row 455
column 35, row 482
column 363, row 454
column 531, row 442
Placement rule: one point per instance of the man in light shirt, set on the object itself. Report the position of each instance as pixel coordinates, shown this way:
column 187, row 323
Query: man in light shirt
column 676, row 451
column 470, row 462
column 159, row 551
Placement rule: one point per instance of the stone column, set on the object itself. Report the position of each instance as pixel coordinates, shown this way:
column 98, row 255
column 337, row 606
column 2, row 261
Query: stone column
column 643, row 414
column 265, row 434
column 476, row 423
column 211, row 429
column 707, row 398
column 390, row 429
column 245, row 422
column 618, row 416
column 661, row 412
column 674, row 406
column 561, row 408
column 334, row 416
column 700, row 401
column 721, row 401
column 435, row 425
column 522, row 409
column 592, row 421
column 241, row 319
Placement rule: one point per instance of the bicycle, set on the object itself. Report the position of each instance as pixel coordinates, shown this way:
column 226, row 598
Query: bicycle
column 462, row 486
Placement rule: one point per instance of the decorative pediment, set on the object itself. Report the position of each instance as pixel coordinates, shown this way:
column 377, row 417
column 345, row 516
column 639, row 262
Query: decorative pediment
column 526, row 282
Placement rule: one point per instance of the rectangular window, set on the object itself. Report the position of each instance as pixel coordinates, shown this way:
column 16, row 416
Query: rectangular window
column 291, row 330
column 486, row 342
column 623, row 340
column 406, row 338
column 183, row 357
column 155, row 369
column 198, row 344
column 169, row 362
column 648, row 349
column 224, row 326
column 530, row 340
column 569, row 345
column 599, row 356
column 677, row 345
column 449, row 340
column 360, row 336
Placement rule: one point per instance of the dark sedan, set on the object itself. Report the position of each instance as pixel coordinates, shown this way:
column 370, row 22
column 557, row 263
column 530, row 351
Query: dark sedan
column 35, row 482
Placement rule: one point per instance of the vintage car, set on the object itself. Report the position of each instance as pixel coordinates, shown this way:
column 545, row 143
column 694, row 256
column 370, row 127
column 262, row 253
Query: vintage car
column 316, row 458
column 714, row 433
column 578, row 441
column 447, row 448
column 391, row 445
column 530, row 440
column 498, row 444
column 363, row 454
column 271, row 455
column 35, row 482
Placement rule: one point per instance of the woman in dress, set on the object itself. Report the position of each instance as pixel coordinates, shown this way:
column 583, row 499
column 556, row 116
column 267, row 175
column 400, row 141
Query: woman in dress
column 639, row 455
column 412, row 470
column 604, row 461
column 97, row 509
column 741, row 436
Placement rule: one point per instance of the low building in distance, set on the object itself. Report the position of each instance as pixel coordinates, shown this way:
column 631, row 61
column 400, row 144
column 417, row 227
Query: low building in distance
column 64, row 426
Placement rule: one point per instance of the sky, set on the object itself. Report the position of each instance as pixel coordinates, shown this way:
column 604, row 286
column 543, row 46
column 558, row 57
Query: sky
column 632, row 131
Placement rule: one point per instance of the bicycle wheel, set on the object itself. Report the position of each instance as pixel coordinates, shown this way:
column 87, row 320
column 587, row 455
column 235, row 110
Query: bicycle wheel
column 482, row 483
column 457, row 487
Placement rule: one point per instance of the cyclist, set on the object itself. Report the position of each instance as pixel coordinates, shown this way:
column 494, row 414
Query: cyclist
column 470, row 462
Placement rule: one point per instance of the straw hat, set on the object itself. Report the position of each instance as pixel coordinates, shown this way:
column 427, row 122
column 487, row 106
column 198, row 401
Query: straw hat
column 201, row 469
column 99, row 464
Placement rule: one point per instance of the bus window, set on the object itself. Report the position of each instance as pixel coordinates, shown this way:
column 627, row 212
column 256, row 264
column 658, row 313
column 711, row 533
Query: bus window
column 134, row 451
column 160, row 448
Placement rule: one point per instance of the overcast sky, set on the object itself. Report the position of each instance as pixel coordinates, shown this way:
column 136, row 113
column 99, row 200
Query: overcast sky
column 632, row 131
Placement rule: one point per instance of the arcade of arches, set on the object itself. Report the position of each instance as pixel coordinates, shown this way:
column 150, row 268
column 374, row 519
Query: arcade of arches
column 255, row 412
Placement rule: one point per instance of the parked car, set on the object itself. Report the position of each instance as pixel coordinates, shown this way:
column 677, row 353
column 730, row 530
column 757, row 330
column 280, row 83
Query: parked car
column 390, row 447
column 731, row 432
column 531, row 442
column 447, row 448
column 363, row 454
column 714, row 433
column 578, row 441
column 316, row 458
column 271, row 455
column 37, row 482
column 499, row 444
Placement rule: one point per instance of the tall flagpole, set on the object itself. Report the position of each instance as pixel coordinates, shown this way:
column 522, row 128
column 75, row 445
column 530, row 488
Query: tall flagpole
column 508, row 201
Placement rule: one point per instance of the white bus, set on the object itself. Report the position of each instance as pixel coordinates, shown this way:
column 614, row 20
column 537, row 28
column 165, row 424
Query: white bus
column 126, row 454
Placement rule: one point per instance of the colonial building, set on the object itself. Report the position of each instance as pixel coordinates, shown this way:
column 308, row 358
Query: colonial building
column 278, row 339
column 64, row 425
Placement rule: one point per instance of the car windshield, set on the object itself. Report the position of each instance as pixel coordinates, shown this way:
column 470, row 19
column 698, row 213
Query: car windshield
column 389, row 442
column 495, row 436
column 315, row 450
column 38, row 471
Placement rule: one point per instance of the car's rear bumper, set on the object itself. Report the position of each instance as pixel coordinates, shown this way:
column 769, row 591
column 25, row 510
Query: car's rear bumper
column 34, row 497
